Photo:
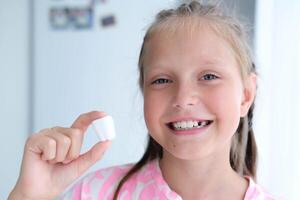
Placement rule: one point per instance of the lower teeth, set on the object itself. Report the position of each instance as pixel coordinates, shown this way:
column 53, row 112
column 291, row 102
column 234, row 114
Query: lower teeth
column 195, row 127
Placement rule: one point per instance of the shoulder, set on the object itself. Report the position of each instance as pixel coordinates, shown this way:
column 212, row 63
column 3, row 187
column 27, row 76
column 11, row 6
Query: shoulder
column 257, row 192
column 98, row 183
column 101, row 184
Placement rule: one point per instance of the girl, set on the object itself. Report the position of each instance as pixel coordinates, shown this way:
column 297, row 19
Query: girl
column 199, row 85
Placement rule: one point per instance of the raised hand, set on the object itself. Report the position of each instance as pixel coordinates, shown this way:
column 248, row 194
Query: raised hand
column 52, row 159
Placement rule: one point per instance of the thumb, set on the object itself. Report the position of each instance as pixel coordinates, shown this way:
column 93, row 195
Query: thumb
column 86, row 160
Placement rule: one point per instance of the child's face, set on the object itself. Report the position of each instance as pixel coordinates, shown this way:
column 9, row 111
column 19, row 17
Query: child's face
column 192, row 78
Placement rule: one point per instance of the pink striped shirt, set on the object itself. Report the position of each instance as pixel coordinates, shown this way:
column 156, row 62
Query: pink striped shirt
column 147, row 183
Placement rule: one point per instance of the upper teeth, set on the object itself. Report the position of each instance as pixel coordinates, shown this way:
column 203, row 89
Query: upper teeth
column 189, row 124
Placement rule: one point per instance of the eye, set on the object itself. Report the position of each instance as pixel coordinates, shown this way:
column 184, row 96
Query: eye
column 209, row 77
column 161, row 81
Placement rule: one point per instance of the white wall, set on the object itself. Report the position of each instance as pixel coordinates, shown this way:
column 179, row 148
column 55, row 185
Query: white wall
column 278, row 57
column 77, row 71
column 13, row 89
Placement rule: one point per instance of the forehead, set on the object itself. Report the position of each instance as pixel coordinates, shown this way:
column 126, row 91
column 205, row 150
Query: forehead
column 187, row 43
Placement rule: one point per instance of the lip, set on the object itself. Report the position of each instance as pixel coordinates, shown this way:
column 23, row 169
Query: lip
column 197, row 131
column 187, row 119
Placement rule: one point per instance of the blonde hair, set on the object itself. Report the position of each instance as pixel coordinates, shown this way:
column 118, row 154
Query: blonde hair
column 243, row 152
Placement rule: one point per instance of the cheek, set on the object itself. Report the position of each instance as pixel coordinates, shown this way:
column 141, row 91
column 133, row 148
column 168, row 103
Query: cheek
column 147, row 109
column 225, row 105
column 152, row 109
column 156, row 101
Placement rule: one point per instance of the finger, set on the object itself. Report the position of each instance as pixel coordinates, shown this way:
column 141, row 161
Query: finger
column 76, row 137
column 42, row 145
column 84, row 120
column 89, row 158
column 49, row 149
column 63, row 144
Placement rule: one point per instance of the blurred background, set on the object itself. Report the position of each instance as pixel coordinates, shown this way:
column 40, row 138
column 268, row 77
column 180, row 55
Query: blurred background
column 60, row 58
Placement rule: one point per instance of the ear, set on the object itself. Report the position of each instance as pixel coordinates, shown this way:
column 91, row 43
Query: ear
column 248, row 94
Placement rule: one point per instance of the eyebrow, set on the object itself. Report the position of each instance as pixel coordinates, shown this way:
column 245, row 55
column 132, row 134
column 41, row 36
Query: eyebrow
column 162, row 65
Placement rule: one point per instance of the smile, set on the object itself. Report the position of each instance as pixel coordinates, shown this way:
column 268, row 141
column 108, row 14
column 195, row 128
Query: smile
column 188, row 125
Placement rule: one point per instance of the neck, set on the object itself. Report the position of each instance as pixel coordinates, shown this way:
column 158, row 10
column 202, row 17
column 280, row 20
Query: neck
column 208, row 178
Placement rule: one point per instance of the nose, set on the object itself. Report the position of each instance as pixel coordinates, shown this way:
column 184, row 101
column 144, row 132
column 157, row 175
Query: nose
column 185, row 96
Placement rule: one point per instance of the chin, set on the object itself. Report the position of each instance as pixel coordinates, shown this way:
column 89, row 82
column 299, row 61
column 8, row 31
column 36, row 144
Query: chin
column 184, row 154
